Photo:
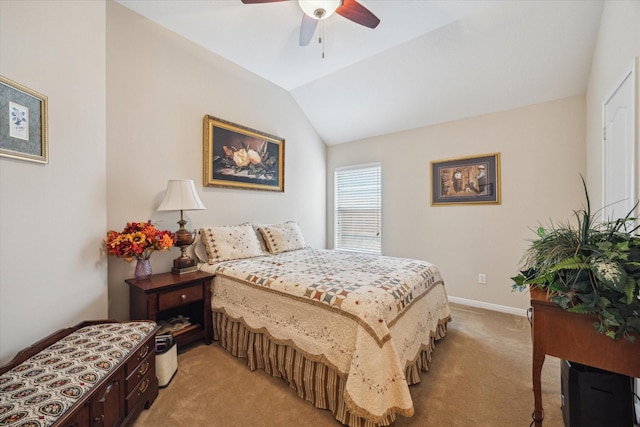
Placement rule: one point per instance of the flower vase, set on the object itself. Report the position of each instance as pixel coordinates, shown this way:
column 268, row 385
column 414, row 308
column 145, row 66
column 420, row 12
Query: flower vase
column 143, row 268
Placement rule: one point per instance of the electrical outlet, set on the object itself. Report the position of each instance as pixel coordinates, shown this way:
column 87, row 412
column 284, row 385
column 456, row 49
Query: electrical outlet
column 482, row 279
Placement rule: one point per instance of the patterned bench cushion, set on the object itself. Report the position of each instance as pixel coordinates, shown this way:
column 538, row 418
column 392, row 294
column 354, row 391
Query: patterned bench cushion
column 42, row 388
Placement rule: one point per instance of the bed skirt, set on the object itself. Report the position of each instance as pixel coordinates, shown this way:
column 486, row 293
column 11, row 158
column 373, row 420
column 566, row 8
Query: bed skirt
column 313, row 380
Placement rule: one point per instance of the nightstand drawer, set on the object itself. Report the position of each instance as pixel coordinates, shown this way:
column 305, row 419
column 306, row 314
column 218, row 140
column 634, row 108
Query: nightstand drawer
column 181, row 296
column 167, row 295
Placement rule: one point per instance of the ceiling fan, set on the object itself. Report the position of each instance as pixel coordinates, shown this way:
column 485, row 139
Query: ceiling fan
column 317, row 10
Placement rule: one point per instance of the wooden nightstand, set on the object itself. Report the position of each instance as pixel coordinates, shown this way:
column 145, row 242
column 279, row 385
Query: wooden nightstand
column 166, row 295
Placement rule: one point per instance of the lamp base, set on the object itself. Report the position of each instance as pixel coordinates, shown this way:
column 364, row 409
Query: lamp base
column 184, row 265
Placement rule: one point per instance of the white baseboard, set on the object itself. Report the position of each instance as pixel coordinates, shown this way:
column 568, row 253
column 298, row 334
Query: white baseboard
column 489, row 306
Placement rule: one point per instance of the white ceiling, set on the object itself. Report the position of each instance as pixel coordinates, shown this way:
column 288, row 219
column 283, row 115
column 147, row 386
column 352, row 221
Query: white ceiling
column 427, row 62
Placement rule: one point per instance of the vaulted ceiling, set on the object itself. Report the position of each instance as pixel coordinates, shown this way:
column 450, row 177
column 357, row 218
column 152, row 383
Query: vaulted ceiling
column 427, row 62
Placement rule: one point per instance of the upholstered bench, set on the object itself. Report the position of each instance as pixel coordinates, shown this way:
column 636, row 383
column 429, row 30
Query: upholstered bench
column 96, row 373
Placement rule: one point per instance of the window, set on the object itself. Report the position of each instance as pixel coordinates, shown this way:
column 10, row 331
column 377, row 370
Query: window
column 358, row 208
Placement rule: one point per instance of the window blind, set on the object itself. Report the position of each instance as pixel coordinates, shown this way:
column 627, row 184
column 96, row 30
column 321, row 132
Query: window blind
column 358, row 208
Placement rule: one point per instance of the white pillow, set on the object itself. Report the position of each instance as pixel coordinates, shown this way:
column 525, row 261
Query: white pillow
column 230, row 242
column 263, row 244
column 199, row 250
column 282, row 237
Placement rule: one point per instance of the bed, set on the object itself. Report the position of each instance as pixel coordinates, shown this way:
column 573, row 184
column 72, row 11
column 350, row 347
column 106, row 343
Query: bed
column 348, row 331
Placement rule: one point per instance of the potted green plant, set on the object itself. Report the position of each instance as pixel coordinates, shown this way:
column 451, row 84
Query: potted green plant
column 589, row 267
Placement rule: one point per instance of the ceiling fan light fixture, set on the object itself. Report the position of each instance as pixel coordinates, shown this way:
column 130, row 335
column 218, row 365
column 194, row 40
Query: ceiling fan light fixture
column 319, row 9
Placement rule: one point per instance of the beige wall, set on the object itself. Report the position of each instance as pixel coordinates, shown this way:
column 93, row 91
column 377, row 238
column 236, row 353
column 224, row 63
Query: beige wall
column 159, row 88
column 617, row 48
column 542, row 153
column 52, row 217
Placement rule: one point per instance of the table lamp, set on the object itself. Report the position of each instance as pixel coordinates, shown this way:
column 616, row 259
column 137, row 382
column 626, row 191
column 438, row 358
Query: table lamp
column 181, row 196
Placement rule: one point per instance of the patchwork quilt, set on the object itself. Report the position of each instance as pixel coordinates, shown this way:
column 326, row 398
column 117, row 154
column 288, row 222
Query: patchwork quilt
column 366, row 316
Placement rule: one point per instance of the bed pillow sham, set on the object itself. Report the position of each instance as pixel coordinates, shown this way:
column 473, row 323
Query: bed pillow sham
column 282, row 237
column 230, row 242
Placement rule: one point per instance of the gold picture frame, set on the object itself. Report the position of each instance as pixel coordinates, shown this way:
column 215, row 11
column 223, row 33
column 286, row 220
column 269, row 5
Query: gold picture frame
column 466, row 180
column 23, row 123
column 236, row 156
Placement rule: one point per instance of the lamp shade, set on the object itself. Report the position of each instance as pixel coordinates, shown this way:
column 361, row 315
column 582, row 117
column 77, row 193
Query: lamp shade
column 319, row 9
column 181, row 196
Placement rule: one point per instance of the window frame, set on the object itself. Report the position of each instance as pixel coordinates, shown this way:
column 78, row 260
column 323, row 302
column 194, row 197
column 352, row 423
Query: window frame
column 365, row 203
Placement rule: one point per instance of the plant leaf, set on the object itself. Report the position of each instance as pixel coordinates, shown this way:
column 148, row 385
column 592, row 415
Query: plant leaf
column 582, row 309
column 610, row 273
column 630, row 289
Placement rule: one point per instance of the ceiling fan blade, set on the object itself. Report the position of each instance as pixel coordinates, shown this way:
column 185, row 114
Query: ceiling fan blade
column 260, row 1
column 307, row 29
column 354, row 11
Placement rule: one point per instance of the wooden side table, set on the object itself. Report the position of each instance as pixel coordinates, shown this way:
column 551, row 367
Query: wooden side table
column 166, row 295
column 571, row 336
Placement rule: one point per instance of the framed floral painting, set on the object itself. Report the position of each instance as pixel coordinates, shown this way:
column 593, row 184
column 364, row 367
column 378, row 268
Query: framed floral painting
column 466, row 180
column 23, row 123
column 236, row 156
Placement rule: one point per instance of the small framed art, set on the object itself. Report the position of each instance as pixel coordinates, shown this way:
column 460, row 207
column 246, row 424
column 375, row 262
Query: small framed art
column 466, row 180
column 23, row 123
column 236, row 156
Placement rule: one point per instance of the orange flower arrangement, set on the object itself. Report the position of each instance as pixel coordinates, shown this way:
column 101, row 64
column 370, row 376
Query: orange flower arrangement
column 138, row 240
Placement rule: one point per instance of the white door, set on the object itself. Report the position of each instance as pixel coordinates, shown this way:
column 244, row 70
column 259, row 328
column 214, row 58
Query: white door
column 618, row 152
column 618, row 136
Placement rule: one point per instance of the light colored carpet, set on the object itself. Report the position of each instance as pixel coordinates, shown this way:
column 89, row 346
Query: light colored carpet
column 480, row 376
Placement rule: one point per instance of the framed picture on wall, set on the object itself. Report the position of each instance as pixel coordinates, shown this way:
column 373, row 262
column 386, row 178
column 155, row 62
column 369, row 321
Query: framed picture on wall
column 466, row 180
column 236, row 156
column 23, row 123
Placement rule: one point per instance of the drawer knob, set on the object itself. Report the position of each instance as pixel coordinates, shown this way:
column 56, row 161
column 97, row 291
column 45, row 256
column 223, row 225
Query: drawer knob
column 143, row 352
column 183, row 297
column 143, row 369
column 143, row 387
